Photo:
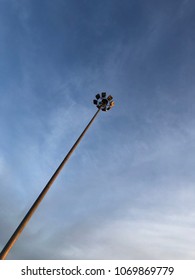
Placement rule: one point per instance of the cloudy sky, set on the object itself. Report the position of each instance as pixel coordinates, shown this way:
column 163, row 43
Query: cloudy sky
column 128, row 192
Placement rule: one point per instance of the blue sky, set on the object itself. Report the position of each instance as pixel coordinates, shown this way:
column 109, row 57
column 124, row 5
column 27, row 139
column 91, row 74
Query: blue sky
column 128, row 191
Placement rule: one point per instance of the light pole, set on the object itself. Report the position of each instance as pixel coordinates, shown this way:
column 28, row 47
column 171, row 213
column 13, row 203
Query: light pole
column 102, row 103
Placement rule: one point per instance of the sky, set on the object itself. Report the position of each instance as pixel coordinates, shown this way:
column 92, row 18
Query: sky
column 128, row 191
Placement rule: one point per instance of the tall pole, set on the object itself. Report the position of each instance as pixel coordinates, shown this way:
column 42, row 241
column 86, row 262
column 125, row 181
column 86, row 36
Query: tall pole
column 35, row 205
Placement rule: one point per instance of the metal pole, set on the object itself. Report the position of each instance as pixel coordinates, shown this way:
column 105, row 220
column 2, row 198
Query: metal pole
column 33, row 208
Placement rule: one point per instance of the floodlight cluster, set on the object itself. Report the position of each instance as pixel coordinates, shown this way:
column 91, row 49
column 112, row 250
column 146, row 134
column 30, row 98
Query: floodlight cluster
column 102, row 102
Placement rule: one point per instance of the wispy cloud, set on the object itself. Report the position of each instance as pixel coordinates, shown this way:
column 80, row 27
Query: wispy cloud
column 128, row 191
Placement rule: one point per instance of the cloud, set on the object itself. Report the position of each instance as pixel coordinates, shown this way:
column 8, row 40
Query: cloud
column 162, row 232
column 136, row 236
column 128, row 190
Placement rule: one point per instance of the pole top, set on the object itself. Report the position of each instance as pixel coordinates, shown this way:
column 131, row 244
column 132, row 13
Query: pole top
column 102, row 102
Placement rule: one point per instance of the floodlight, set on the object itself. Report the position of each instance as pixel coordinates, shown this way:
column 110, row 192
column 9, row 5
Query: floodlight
column 102, row 102
column 111, row 104
column 109, row 97
column 103, row 94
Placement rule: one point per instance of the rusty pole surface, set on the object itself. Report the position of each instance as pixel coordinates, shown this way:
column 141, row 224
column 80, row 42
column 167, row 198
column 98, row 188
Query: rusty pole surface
column 33, row 208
